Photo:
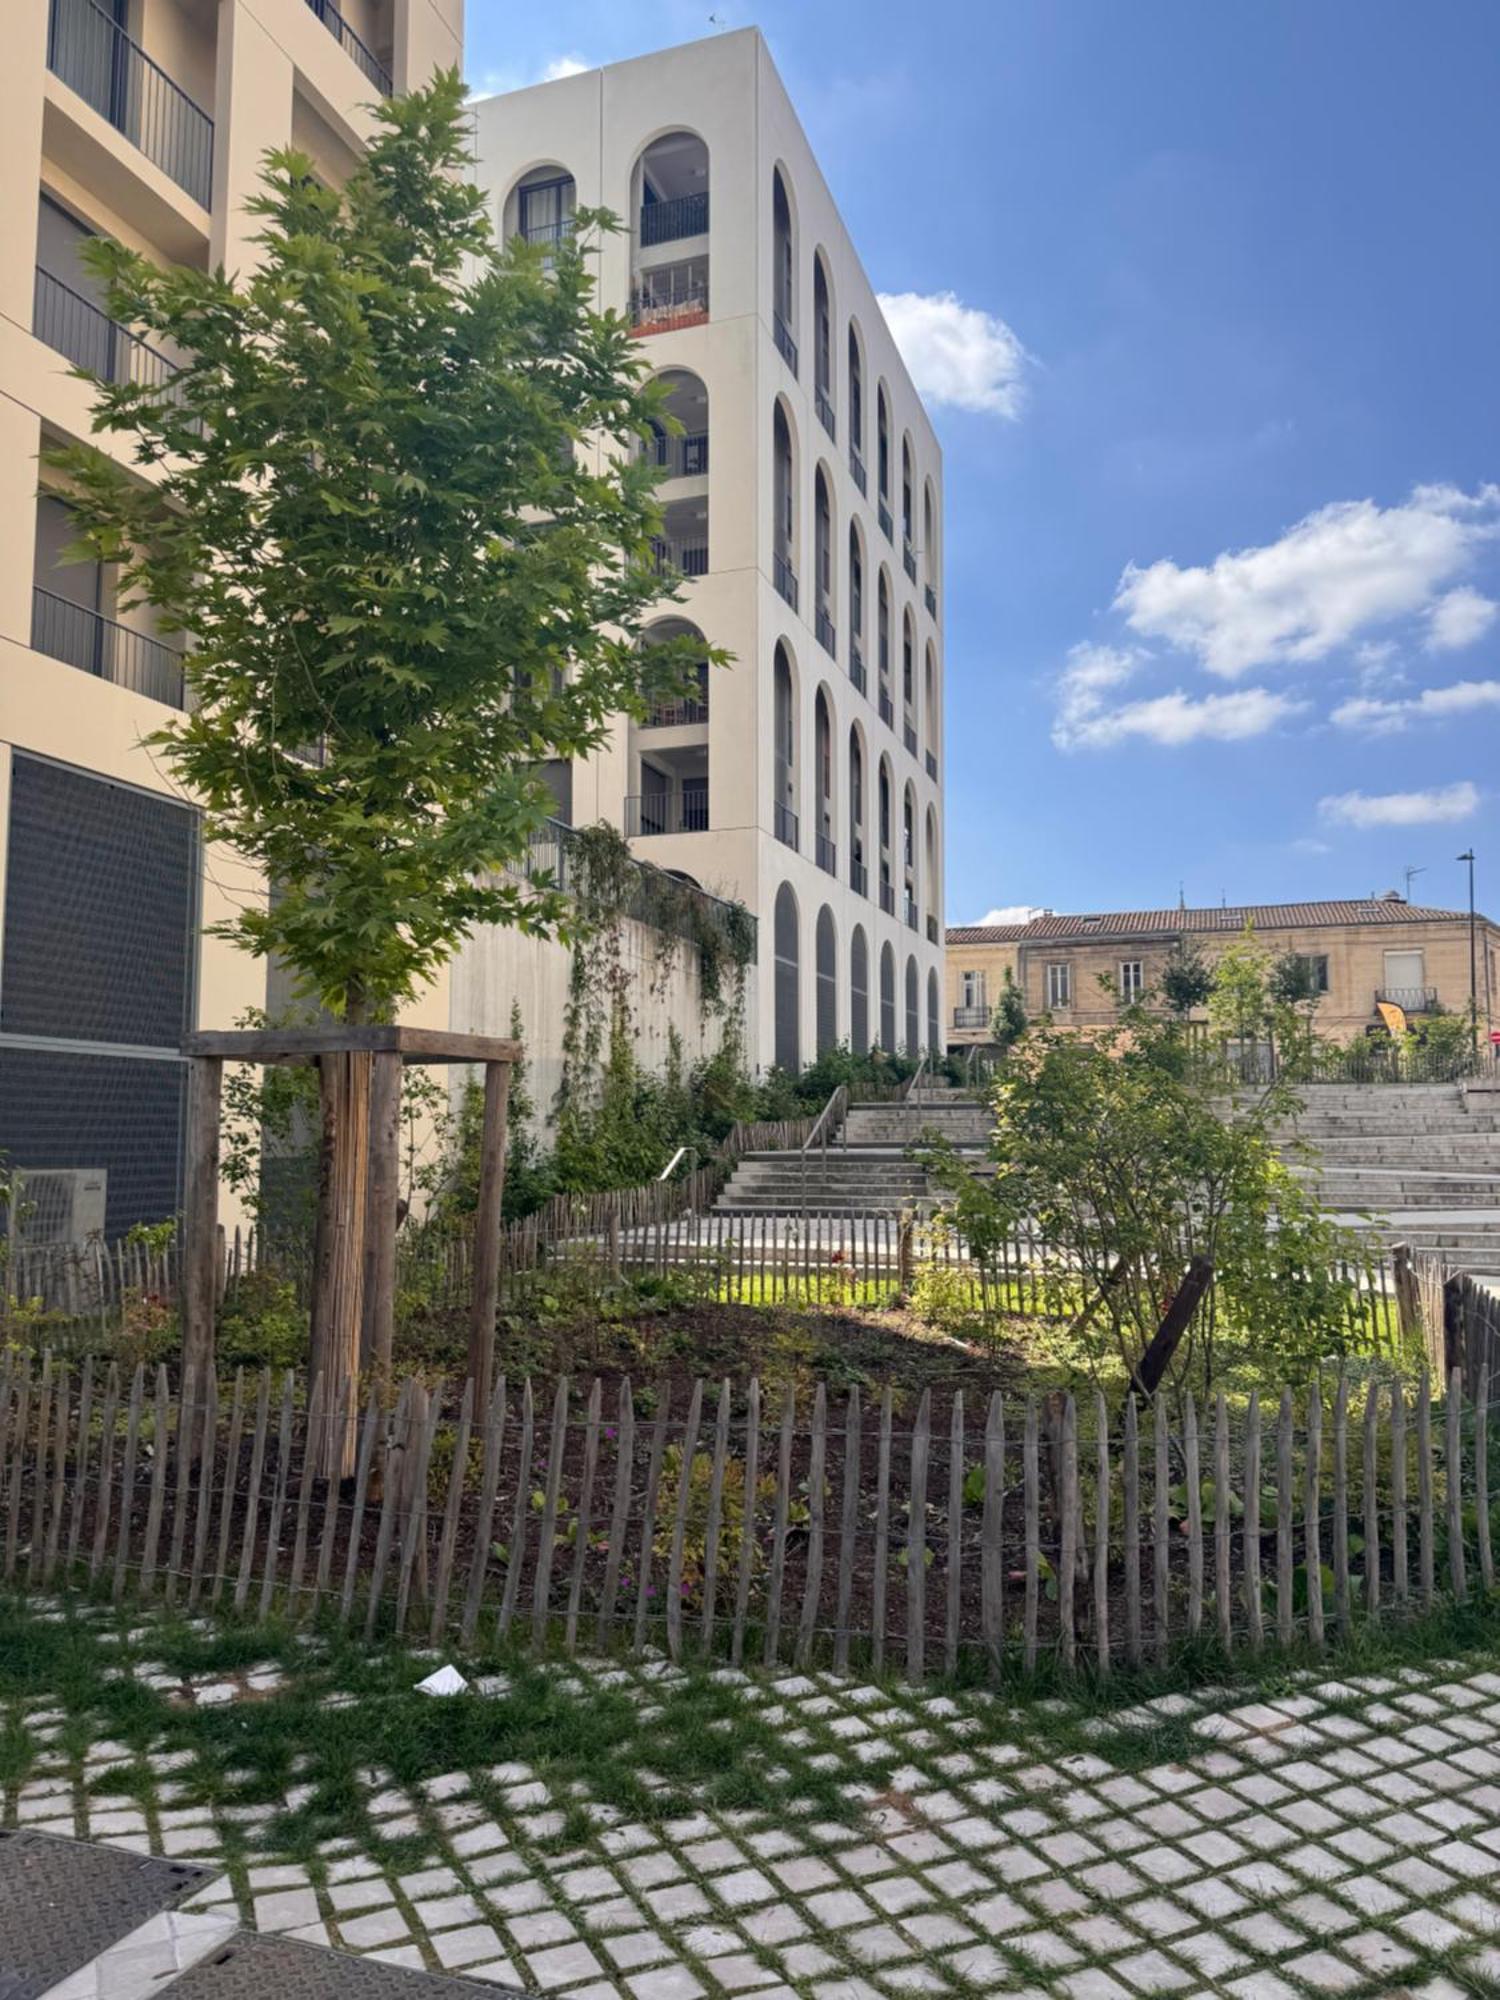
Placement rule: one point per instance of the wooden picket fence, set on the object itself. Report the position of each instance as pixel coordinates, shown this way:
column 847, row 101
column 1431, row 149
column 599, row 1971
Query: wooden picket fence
column 756, row 1524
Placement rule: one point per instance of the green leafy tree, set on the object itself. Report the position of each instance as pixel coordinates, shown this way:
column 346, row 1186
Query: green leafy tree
column 1239, row 1007
column 1008, row 1023
column 1187, row 978
column 1293, row 991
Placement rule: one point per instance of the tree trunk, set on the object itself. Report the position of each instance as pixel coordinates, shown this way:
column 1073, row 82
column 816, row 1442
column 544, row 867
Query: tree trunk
column 1174, row 1324
column 338, row 1268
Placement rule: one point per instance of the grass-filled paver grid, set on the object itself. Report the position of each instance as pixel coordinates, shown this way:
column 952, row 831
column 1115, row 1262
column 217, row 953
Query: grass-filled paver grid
column 637, row 1832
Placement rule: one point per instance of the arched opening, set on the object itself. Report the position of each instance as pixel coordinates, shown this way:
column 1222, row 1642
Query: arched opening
column 856, row 408
column 783, row 271
column 669, row 248
column 826, row 993
column 885, row 807
column 857, row 607
column 908, row 489
column 930, row 716
column 826, row 846
column 883, row 460
column 913, row 1011
column 787, row 979
column 909, row 680
column 682, row 544
column 541, row 205
column 784, row 500
column 669, row 750
column 784, row 766
column 859, row 874
column 930, row 562
column 883, row 649
column 934, row 1016
column 909, row 857
column 888, row 999
column 823, row 560
column 859, row 992
column 934, row 888
column 823, row 347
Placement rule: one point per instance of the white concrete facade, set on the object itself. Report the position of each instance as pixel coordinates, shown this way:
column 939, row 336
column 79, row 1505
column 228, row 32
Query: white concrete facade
column 773, row 799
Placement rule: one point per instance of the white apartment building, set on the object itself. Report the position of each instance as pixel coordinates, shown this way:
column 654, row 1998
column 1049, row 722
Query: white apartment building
column 147, row 120
column 803, row 503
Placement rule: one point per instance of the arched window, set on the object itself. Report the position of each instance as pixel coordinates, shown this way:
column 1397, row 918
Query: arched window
column 908, row 508
column 826, row 854
column 669, row 248
column 909, row 855
column 909, row 670
column 784, row 765
column 540, row 206
column 682, row 543
column 856, row 408
column 823, row 347
column 859, row 873
column 886, row 807
column 684, row 457
column 934, row 1016
column 883, row 646
column 913, row 1011
column 888, row 999
column 857, row 607
column 784, row 271
column 859, row 992
column 784, row 494
column 883, row 460
column 788, row 980
column 823, row 560
column 930, row 708
column 930, row 562
column 826, row 994
column 930, row 863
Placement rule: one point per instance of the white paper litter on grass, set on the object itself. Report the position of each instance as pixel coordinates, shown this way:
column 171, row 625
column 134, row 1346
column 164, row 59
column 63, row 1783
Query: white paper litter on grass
column 446, row 1680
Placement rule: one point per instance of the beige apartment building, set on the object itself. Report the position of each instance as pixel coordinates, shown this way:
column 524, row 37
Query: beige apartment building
column 146, row 120
column 803, row 504
column 1362, row 953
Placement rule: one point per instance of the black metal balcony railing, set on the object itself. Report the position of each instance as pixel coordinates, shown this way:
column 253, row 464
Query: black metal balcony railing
column 670, row 221
column 684, row 714
column 888, row 898
column 909, row 560
column 857, row 672
column 1410, row 999
column 971, row 1017
column 929, row 598
column 859, row 878
column 673, row 297
column 548, row 234
column 932, row 928
column 363, row 56
column 74, row 327
column 683, row 457
column 883, row 515
column 931, row 760
column 824, row 408
column 687, row 558
column 887, row 708
column 786, row 826
column 909, row 736
column 95, row 57
column 909, row 910
column 827, row 635
column 665, row 812
column 97, row 645
column 857, row 470
column 827, row 854
column 784, row 577
column 786, row 347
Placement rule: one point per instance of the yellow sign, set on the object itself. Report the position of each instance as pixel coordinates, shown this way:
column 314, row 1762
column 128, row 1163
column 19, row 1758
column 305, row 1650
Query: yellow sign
column 1393, row 1016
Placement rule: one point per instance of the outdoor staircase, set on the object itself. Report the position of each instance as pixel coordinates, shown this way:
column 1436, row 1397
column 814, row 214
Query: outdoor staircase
column 866, row 1168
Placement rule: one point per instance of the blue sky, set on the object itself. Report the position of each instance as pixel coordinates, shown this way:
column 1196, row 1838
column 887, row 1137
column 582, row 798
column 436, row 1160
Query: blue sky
column 1206, row 302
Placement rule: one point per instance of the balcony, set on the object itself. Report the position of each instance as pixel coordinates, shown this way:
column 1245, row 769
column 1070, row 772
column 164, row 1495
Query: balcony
column 932, row 928
column 827, row 854
column 547, row 235
column 665, row 812
column 687, row 912
column 857, row 672
column 786, row 347
column 97, row 645
column 74, row 327
column 1410, row 999
column 909, row 736
column 857, row 471
column 363, row 58
column 93, row 56
column 672, row 297
column 784, row 577
column 883, row 515
column 682, row 457
column 684, row 714
column 909, row 911
column 670, row 221
column 888, row 898
column 670, row 557
column 929, row 598
column 909, row 559
column 825, row 412
column 786, row 826
column 859, row 878
column 931, row 762
column 887, row 708
column 971, row 1017
column 827, row 635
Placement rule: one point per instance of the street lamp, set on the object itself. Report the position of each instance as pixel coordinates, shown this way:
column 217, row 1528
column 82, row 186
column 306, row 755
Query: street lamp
column 1468, row 855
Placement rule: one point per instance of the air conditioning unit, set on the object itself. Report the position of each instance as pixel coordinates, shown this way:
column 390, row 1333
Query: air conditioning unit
column 57, row 1207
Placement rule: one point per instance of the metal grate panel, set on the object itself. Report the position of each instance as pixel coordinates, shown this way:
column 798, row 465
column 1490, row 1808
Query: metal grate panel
column 123, row 1115
column 62, row 1902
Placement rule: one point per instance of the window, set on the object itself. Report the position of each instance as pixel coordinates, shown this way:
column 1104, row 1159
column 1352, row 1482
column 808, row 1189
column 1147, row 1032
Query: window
column 973, row 988
column 1315, row 967
column 1060, row 985
column 1405, row 977
column 1131, row 983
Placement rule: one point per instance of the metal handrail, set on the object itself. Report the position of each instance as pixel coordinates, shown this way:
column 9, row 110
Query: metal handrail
column 93, row 55
column 915, row 1078
column 362, row 55
column 691, row 1152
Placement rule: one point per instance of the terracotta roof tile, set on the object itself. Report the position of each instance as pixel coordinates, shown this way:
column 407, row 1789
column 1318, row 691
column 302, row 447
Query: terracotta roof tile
column 1218, row 922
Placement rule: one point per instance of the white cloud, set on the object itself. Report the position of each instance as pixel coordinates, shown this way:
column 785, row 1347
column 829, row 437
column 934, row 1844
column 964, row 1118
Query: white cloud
column 1085, row 721
column 1385, row 718
column 562, row 66
column 496, row 82
column 1011, row 913
column 1438, row 807
column 957, row 354
column 1459, row 619
column 1339, row 571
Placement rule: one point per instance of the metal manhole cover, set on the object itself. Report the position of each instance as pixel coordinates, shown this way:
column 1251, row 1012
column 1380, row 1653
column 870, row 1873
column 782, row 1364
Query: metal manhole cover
column 251, row 1966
